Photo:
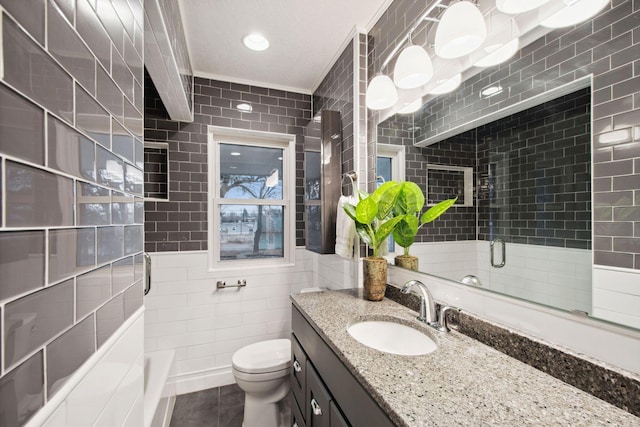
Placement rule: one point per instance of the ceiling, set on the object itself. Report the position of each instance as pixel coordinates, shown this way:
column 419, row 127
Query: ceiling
column 306, row 38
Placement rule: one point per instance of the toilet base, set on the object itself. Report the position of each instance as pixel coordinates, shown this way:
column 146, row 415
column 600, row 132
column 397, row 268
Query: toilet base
column 259, row 413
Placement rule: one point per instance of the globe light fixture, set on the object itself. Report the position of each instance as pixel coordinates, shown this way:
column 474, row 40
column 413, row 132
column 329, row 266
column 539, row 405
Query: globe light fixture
column 461, row 30
column 413, row 68
column 381, row 93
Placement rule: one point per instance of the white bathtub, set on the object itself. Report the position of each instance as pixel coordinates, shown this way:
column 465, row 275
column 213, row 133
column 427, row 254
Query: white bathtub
column 159, row 390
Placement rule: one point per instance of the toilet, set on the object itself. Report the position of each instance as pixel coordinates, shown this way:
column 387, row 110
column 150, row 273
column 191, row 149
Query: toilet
column 261, row 370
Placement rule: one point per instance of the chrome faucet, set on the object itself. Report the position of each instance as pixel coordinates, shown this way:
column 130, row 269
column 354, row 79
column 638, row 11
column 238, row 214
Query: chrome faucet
column 427, row 305
column 428, row 312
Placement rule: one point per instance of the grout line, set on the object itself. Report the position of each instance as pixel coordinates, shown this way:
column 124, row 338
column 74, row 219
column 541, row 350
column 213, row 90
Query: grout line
column 1, row 45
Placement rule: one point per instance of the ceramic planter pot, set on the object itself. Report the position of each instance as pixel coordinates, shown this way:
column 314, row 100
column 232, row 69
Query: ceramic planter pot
column 374, row 278
column 409, row 262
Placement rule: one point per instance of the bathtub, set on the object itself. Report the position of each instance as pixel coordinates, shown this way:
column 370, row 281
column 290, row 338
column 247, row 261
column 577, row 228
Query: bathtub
column 159, row 389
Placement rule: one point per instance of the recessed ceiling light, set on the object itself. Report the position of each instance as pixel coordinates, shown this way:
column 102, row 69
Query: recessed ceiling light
column 255, row 41
column 279, row 158
column 244, row 107
column 234, row 153
column 233, row 167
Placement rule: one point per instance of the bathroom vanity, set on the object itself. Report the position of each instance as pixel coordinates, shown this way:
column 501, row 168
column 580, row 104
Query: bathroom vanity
column 463, row 382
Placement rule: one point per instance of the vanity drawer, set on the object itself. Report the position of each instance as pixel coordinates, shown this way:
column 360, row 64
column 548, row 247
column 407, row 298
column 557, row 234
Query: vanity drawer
column 298, row 372
column 297, row 420
column 318, row 402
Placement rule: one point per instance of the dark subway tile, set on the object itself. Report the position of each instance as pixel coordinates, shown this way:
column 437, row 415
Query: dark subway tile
column 133, row 299
column 109, row 318
column 93, row 33
column 37, row 198
column 71, row 251
column 134, row 180
column 30, row 15
column 110, row 243
column 70, row 151
column 65, row 45
column 122, row 75
column 92, row 290
column 93, row 205
column 126, row 16
column 22, row 391
column 133, row 239
column 122, row 209
column 36, row 318
column 109, row 94
column 121, row 141
column 68, row 352
column 21, row 127
column 91, row 118
column 110, row 169
column 613, row 259
column 34, row 73
column 122, row 274
column 21, row 262
column 68, row 8
column 111, row 22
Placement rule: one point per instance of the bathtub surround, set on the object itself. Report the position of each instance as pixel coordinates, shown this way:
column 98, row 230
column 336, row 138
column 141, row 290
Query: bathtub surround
column 71, row 230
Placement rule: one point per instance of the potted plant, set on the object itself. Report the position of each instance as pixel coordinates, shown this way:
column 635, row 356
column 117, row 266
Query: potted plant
column 407, row 205
column 374, row 223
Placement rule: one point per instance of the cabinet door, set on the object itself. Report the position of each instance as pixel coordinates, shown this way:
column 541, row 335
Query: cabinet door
column 298, row 373
column 318, row 400
column 297, row 420
column 337, row 419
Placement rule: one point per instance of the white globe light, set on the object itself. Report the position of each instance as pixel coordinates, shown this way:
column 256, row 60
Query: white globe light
column 381, row 93
column 518, row 6
column 461, row 30
column 413, row 68
column 498, row 54
column 446, row 86
column 574, row 12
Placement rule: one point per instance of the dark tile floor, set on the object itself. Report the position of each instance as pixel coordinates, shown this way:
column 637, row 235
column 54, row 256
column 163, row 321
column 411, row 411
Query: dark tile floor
column 215, row 407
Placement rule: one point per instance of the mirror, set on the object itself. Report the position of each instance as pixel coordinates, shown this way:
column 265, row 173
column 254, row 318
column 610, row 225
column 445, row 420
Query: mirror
column 522, row 224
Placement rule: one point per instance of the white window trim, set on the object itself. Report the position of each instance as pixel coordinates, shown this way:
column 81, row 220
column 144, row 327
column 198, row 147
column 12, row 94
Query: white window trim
column 397, row 155
column 250, row 137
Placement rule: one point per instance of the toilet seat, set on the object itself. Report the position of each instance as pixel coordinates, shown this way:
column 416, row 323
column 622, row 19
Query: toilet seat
column 263, row 357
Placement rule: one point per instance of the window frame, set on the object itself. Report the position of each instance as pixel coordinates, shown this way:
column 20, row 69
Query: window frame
column 221, row 135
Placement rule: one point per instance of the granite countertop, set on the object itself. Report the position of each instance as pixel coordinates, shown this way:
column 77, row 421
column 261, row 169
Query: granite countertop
column 463, row 382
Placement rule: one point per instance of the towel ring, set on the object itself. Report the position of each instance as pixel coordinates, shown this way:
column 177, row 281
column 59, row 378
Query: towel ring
column 353, row 177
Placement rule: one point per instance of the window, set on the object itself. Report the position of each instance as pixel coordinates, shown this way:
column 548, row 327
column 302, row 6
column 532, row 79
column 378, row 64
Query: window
column 251, row 198
column 389, row 166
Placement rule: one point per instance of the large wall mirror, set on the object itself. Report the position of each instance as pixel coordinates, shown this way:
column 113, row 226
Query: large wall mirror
column 514, row 143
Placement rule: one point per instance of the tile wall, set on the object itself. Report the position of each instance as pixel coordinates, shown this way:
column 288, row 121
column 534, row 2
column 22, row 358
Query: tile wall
column 71, row 173
column 205, row 325
column 541, row 190
column 181, row 223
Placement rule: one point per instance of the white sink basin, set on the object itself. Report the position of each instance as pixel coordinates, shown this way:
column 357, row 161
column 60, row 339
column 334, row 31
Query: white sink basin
column 391, row 337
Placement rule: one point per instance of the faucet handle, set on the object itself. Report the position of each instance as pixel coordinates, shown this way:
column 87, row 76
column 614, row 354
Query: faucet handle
column 442, row 318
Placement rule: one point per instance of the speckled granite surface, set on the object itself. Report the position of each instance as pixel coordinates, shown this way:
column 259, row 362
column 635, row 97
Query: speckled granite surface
column 596, row 379
column 464, row 382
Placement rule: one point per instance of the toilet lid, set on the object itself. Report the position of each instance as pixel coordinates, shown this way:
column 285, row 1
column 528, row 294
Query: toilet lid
column 263, row 356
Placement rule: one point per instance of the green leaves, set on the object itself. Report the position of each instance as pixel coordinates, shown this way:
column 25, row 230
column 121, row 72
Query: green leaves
column 435, row 211
column 393, row 208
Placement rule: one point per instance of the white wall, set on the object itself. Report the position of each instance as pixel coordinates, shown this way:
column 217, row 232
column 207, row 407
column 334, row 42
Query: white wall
column 206, row 326
column 559, row 277
column 616, row 295
column 107, row 390
column 333, row 272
